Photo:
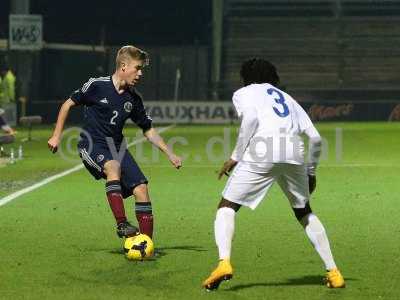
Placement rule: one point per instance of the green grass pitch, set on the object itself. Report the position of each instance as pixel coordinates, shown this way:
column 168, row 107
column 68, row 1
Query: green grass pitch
column 59, row 241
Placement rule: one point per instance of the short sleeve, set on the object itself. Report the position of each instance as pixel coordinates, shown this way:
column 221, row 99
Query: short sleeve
column 140, row 117
column 304, row 120
column 83, row 95
column 238, row 103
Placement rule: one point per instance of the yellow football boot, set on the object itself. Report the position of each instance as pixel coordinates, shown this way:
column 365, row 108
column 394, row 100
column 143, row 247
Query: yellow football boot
column 334, row 279
column 223, row 272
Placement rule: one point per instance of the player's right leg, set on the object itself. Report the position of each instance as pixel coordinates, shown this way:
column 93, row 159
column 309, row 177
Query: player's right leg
column 247, row 185
column 224, row 227
column 294, row 183
column 112, row 170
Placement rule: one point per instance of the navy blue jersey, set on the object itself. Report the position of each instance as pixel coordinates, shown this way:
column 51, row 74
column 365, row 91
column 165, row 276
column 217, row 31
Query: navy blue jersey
column 106, row 111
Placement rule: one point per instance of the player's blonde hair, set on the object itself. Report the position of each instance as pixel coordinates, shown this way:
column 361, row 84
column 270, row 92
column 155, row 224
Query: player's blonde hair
column 129, row 52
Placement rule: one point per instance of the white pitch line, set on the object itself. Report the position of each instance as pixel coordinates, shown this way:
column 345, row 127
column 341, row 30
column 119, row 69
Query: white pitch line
column 344, row 165
column 47, row 180
column 200, row 166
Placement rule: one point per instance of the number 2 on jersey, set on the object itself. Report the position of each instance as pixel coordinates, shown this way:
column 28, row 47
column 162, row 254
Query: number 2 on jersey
column 280, row 100
column 115, row 115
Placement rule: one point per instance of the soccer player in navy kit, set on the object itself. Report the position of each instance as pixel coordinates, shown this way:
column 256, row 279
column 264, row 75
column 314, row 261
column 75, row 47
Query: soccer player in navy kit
column 109, row 102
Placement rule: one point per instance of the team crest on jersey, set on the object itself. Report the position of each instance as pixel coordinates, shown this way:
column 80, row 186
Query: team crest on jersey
column 100, row 157
column 128, row 107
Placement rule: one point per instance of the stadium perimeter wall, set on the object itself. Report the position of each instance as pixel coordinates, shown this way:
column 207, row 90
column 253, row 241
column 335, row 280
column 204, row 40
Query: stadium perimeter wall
column 222, row 112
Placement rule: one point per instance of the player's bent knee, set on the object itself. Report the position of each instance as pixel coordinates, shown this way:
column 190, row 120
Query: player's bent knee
column 300, row 213
column 226, row 203
column 141, row 193
column 140, row 189
column 112, row 167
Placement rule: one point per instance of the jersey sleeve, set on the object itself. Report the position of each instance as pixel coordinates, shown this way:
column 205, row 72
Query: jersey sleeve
column 302, row 117
column 315, row 142
column 83, row 95
column 248, row 117
column 238, row 103
column 140, row 117
column 248, row 126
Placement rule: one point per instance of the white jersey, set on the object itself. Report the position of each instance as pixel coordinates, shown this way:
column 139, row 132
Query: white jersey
column 272, row 126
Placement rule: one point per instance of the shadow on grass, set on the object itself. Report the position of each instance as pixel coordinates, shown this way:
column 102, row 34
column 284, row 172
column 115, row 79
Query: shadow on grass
column 166, row 250
column 305, row 280
column 117, row 251
column 160, row 252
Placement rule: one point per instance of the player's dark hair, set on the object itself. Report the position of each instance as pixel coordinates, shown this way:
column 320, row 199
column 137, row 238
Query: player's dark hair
column 257, row 70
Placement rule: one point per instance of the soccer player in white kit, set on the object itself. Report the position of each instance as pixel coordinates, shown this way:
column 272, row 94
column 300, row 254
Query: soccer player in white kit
column 269, row 149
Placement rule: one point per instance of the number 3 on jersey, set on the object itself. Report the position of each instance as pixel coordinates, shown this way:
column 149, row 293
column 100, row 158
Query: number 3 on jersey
column 115, row 115
column 280, row 100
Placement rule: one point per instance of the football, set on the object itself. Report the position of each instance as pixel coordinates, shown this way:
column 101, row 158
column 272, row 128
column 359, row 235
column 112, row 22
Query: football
column 138, row 247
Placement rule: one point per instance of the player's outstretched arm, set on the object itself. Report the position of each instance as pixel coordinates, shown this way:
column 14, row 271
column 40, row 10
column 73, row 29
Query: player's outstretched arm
column 154, row 138
column 248, row 126
column 54, row 140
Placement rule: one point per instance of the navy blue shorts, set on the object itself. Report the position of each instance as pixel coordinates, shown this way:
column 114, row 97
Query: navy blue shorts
column 2, row 122
column 131, row 175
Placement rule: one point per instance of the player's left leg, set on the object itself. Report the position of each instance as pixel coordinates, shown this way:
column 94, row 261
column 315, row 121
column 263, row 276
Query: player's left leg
column 112, row 170
column 134, row 183
column 143, row 209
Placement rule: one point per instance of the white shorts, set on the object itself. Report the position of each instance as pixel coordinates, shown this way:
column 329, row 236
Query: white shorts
column 249, row 183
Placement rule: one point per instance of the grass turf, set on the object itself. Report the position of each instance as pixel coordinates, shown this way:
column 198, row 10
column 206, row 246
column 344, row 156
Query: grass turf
column 58, row 242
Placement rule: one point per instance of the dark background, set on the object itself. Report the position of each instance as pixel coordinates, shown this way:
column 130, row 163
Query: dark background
column 149, row 22
column 326, row 54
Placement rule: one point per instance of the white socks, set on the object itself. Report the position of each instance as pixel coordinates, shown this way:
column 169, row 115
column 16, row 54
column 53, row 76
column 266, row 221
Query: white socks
column 224, row 227
column 317, row 235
